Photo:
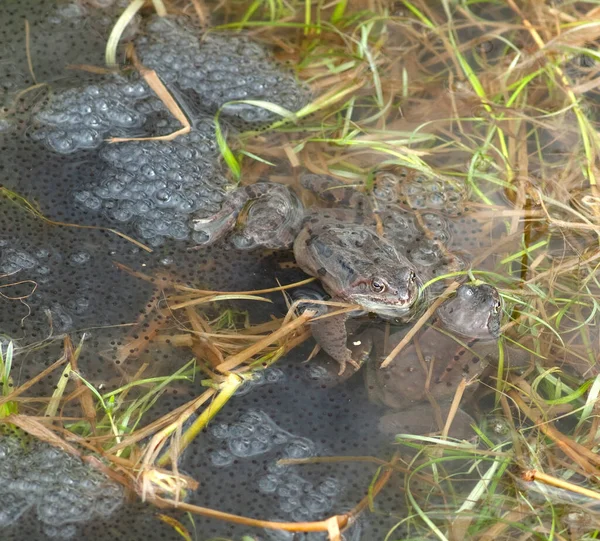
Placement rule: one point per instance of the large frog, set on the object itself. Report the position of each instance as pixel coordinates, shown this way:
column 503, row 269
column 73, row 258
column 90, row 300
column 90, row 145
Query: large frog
column 355, row 266
column 382, row 271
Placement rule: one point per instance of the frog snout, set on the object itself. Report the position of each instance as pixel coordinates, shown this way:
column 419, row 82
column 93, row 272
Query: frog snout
column 404, row 295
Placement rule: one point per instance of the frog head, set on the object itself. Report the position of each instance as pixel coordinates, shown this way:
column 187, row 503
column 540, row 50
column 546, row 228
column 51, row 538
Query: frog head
column 474, row 312
column 387, row 292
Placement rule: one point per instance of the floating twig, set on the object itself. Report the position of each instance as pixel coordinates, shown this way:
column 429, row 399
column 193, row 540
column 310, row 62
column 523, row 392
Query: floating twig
column 535, row 475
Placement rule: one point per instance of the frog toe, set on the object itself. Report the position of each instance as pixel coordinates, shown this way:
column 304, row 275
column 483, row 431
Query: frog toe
column 344, row 364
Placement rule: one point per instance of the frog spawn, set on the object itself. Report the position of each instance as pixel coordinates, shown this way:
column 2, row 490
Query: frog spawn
column 57, row 486
column 300, row 499
column 216, row 69
column 272, row 222
column 419, row 191
column 253, row 434
column 220, row 69
column 78, row 119
column 158, row 185
column 27, row 270
column 272, row 376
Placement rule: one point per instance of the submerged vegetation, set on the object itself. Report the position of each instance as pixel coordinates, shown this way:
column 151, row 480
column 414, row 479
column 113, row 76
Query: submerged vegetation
column 499, row 99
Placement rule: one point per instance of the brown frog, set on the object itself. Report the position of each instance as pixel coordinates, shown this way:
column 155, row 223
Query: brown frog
column 382, row 270
column 355, row 266
column 460, row 343
column 456, row 345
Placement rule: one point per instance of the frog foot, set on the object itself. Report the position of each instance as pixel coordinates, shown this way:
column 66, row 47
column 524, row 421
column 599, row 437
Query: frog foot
column 273, row 218
column 343, row 364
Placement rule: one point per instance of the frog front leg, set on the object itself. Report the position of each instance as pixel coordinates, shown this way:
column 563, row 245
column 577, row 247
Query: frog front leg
column 331, row 335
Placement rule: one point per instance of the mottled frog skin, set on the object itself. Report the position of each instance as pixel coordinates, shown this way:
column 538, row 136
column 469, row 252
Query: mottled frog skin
column 354, row 266
column 382, row 271
column 426, row 239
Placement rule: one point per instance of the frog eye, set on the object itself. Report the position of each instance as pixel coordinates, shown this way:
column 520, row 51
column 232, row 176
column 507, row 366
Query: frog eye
column 377, row 285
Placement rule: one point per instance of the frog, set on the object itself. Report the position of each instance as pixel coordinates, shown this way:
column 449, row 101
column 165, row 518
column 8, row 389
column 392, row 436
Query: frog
column 458, row 343
column 356, row 266
column 353, row 263
column 460, row 340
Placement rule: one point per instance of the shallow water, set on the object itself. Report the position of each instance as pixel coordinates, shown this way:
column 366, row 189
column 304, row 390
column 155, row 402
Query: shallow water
column 60, row 280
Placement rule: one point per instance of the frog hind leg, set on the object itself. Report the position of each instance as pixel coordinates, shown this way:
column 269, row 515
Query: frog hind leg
column 331, row 335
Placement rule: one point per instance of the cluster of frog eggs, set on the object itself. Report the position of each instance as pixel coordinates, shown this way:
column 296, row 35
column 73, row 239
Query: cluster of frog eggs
column 14, row 260
column 419, row 191
column 77, row 119
column 220, row 69
column 272, row 376
column 41, row 265
column 58, row 486
column 159, row 184
column 300, row 499
column 253, row 434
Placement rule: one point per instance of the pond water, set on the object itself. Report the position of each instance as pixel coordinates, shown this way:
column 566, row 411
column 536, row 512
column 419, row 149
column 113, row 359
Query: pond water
column 99, row 241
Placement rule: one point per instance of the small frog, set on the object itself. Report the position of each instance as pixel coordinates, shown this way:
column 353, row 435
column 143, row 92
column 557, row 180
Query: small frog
column 458, row 344
column 355, row 266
